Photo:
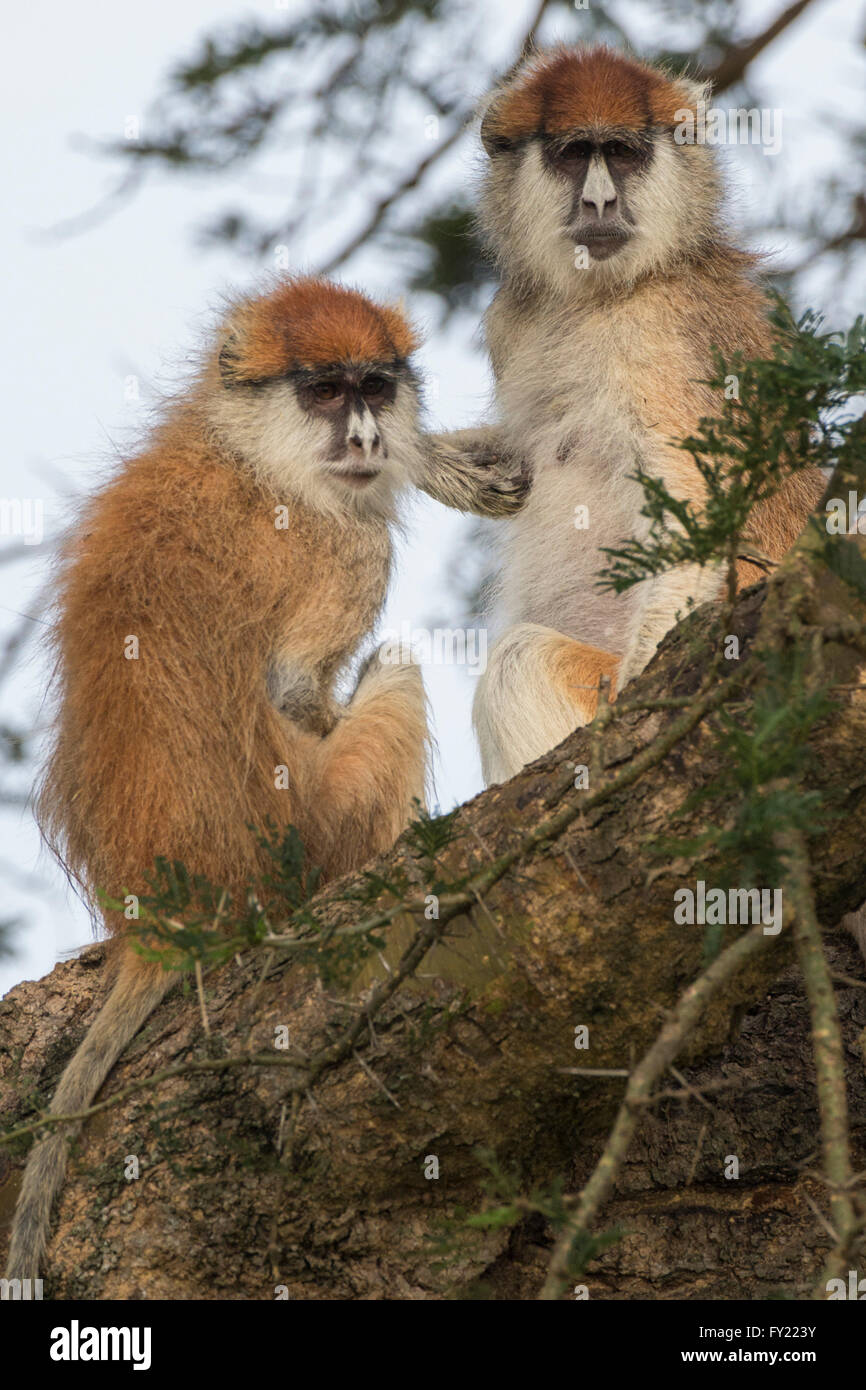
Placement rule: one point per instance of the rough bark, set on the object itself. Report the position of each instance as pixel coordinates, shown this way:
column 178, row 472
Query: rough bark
column 474, row 1054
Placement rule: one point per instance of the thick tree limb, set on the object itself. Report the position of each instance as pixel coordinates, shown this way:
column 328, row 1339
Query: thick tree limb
column 315, row 1178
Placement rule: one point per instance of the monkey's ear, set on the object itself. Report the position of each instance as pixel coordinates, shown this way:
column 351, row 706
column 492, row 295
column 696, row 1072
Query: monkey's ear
column 492, row 139
column 404, row 340
column 695, row 91
column 230, row 357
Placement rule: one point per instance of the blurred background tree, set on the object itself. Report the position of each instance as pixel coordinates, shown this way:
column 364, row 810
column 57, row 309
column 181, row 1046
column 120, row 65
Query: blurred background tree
column 338, row 135
column 317, row 100
column 338, row 83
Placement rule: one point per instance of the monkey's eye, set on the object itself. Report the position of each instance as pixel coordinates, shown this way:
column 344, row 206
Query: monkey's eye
column 373, row 386
column 327, row 390
column 575, row 150
column 618, row 149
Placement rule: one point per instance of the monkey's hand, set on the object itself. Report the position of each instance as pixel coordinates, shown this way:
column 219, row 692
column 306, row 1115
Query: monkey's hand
column 299, row 696
column 472, row 471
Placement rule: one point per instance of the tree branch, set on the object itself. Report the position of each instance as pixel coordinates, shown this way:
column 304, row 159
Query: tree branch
column 732, row 67
column 687, row 1014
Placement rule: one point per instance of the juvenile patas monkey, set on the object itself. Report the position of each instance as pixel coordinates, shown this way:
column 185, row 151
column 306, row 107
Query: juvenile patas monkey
column 618, row 279
column 209, row 599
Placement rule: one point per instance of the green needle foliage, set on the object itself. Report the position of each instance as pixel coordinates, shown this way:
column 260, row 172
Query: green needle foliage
column 797, row 409
column 429, row 835
column 185, row 919
column 762, row 785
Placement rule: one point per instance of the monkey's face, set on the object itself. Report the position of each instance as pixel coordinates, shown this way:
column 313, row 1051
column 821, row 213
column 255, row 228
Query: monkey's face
column 364, row 417
column 341, row 436
column 313, row 390
column 601, row 173
column 599, row 206
column 353, row 405
column 586, row 184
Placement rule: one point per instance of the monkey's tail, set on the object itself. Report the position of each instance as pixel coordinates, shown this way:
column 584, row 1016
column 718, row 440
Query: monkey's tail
column 132, row 1000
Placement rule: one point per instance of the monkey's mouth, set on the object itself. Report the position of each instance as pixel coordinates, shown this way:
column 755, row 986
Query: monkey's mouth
column 601, row 243
column 356, row 477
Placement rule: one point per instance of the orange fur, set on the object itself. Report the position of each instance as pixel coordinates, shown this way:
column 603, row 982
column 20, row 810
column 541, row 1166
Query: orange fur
column 576, row 669
column 310, row 322
column 720, row 304
column 180, row 751
column 567, row 89
column 174, row 753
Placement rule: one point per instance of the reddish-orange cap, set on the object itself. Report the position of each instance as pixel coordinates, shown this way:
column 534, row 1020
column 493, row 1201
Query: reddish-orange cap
column 570, row 88
column 308, row 323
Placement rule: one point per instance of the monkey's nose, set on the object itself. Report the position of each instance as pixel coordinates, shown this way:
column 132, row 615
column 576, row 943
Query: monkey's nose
column 356, row 444
column 603, row 206
column 599, row 189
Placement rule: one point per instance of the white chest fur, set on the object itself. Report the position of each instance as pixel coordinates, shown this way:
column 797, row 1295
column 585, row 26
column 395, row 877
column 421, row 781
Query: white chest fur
column 569, row 398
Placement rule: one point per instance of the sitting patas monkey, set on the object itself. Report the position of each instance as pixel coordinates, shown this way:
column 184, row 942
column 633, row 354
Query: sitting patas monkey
column 210, row 597
column 618, row 279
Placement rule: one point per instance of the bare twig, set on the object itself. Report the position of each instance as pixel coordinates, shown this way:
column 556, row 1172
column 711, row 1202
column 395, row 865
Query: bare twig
column 125, row 186
column 199, row 984
column 414, row 177
column 829, row 1056
column 732, row 67
column 377, row 1080
column 385, row 203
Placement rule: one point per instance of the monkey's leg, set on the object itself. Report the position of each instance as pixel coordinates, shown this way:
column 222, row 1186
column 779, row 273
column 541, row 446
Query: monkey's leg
column 369, row 771
column 666, row 596
column 538, row 687
column 471, row 471
column 136, row 993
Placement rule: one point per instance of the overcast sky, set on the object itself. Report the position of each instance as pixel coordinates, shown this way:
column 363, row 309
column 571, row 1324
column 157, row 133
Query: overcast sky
column 127, row 298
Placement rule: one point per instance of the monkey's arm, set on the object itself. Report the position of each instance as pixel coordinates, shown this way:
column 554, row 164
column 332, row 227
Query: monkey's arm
column 772, row 529
column 666, row 602
column 472, row 471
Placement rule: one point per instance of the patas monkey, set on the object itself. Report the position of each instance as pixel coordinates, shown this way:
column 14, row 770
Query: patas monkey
column 618, row 278
column 209, row 599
